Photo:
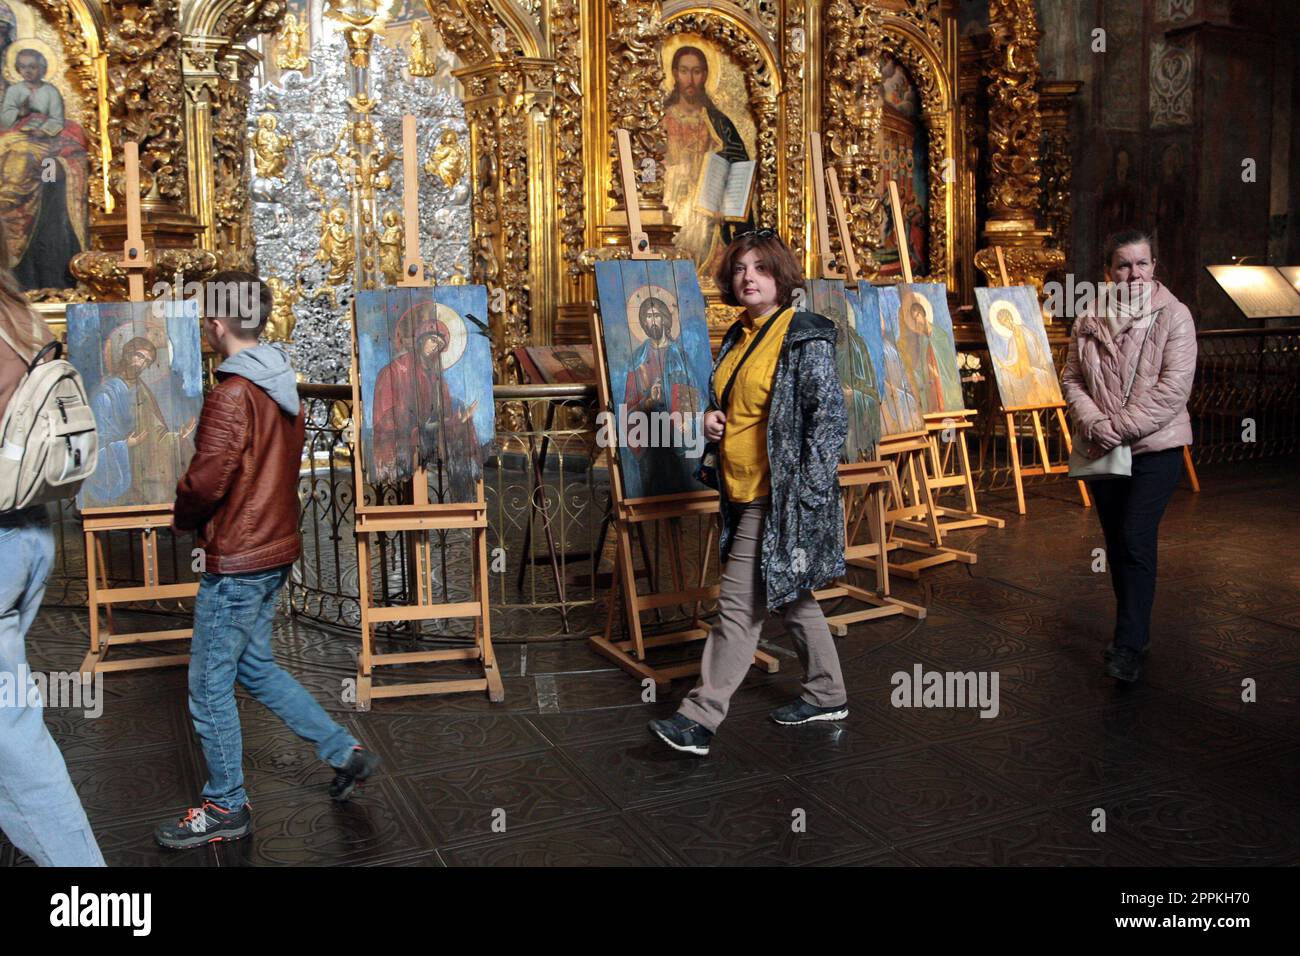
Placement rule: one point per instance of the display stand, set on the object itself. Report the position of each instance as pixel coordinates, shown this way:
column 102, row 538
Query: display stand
column 418, row 519
column 635, row 516
column 864, row 485
column 146, row 519
column 1029, row 417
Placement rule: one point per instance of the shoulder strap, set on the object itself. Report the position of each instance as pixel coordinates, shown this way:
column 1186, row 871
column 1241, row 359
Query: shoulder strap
column 726, row 392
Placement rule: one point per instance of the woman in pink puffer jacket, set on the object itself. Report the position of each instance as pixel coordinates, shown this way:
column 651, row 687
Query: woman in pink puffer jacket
column 1146, row 325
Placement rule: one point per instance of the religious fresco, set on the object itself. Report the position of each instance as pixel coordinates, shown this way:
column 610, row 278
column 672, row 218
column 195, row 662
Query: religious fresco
column 44, row 166
column 141, row 365
column 425, row 375
column 904, row 153
column 706, row 111
column 658, row 361
column 1018, row 346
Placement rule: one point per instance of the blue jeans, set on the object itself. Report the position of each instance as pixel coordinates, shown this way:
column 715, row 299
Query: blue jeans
column 232, row 641
column 39, row 809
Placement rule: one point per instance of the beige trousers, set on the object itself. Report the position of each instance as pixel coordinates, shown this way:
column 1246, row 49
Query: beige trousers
column 742, row 609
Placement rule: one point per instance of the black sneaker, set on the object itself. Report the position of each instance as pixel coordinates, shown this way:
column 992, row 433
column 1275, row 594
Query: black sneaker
column 682, row 733
column 1125, row 665
column 1109, row 652
column 802, row 712
column 361, row 764
column 206, row 824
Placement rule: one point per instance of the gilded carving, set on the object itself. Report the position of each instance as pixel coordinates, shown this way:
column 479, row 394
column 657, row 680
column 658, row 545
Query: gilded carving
column 566, row 47
column 144, row 96
column 291, row 46
column 270, row 148
column 391, row 244
column 634, row 98
column 448, row 159
column 1014, row 123
column 279, row 327
column 337, row 245
column 419, row 64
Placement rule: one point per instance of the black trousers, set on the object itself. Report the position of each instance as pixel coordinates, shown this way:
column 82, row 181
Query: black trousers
column 1130, row 510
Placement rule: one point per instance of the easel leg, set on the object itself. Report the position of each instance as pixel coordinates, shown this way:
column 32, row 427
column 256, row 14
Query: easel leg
column 1191, row 469
column 363, row 586
column 496, row 689
column 1014, row 445
column 1069, row 447
column 95, row 653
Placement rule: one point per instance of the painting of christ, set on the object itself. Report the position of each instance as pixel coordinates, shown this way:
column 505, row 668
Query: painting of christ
column 658, row 364
column 705, row 112
column 1018, row 346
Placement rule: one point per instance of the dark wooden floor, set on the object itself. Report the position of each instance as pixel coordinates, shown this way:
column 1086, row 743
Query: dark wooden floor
column 1184, row 770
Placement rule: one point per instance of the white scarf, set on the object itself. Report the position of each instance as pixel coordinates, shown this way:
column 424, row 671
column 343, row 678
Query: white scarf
column 1123, row 310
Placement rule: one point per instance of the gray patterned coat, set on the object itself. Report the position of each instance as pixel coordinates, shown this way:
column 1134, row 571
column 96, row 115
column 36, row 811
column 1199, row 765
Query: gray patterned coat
column 803, row 536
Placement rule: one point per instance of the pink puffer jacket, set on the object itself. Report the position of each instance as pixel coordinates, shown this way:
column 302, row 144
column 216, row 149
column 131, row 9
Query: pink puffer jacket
column 1098, row 368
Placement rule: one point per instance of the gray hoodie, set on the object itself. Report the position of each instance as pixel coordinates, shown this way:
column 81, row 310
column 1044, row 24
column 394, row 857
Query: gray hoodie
column 268, row 368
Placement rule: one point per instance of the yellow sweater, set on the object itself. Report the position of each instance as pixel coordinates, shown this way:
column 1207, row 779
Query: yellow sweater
column 745, row 471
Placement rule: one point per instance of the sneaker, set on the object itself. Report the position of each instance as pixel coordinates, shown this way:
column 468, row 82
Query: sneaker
column 802, row 712
column 361, row 764
column 1109, row 652
column 1125, row 664
column 206, row 824
column 682, row 733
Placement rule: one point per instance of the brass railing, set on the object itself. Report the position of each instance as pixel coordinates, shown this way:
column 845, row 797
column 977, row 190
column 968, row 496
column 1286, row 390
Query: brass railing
column 1246, row 388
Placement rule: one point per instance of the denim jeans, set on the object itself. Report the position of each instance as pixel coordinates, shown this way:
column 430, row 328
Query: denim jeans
column 232, row 641
column 39, row 809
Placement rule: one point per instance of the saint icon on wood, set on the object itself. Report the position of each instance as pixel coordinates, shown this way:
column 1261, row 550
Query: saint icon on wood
column 900, row 412
column 1018, row 346
column 658, row 361
column 857, row 376
column 425, row 374
column 141, row 365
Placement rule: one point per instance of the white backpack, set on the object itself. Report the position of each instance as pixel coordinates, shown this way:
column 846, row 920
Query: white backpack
column 48, row 445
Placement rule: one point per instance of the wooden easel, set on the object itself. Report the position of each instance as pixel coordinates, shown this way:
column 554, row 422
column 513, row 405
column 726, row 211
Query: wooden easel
column 863, row 484
column 1033, row 420
column 146, row 519
column 418, row 518
column 636, row 515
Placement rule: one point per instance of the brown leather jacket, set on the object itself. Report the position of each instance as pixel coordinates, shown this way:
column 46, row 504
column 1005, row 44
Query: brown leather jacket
column 241, row 489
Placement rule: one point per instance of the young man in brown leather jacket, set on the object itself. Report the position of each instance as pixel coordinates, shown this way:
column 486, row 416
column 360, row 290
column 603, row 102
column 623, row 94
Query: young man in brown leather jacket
column 240, row 494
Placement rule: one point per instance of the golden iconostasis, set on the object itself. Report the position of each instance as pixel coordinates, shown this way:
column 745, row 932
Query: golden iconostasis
column 269, row 135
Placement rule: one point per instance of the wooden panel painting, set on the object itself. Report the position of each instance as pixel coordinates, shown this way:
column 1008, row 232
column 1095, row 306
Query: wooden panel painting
column 657, row 357
column 141, row 362
column 1018, row 346
column 425, row 376
column 827, row 297
column 900, row 412
column 925, row 343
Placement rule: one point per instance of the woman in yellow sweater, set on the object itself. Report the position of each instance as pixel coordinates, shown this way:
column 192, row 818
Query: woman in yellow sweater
column 781, row 424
